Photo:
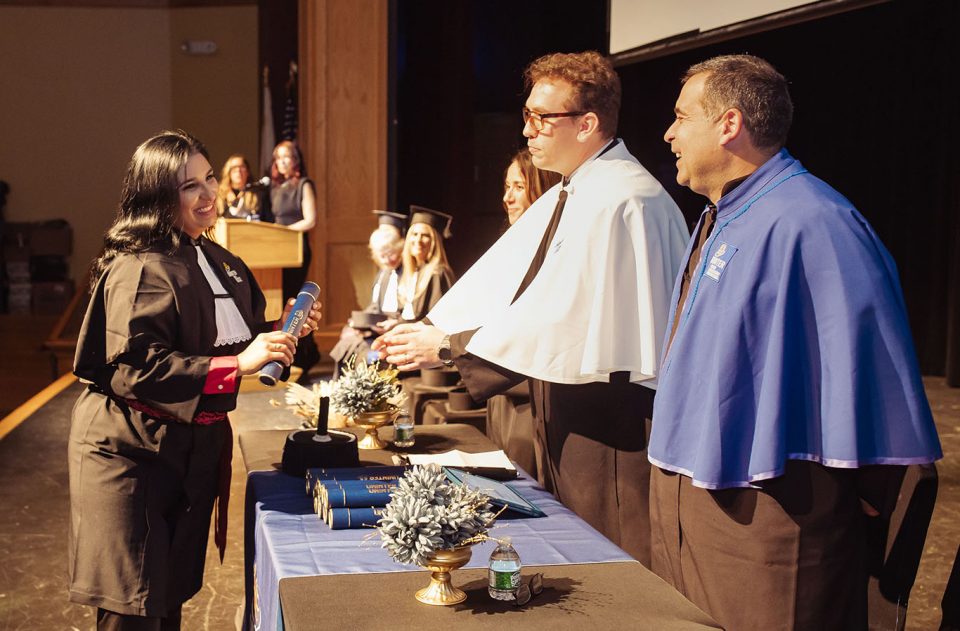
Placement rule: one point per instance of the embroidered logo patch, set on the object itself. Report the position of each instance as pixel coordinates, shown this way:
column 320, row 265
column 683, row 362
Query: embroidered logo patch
column 232, row 273
column 719, row 260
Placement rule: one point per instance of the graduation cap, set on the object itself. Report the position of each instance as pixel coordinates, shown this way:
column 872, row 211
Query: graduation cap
column 387, row 218
column 440, row 221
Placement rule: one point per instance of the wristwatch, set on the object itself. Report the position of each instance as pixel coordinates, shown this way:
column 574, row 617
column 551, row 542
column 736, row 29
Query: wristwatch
column 444, row 352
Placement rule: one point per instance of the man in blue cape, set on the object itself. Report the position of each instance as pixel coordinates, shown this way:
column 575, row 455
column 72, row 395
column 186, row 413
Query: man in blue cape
column 789, row 400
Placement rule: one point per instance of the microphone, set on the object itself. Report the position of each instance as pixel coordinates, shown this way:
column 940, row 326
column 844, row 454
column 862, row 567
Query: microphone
column 308, row 295
column 263, row 182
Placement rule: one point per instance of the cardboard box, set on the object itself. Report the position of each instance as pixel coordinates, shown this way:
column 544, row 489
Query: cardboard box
column 19, row 297
column 40, row 238
column 18, row 271
column 16, row 254
column 16, row 235
column 48, row 268
column 51, row 238
column 52, row 298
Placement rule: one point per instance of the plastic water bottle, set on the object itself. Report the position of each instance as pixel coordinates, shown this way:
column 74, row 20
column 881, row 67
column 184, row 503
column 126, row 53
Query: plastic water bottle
column 403, row 430
column 504, row 571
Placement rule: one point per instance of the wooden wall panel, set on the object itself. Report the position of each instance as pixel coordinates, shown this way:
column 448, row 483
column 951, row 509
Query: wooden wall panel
column 343, row 122
column 353, row 262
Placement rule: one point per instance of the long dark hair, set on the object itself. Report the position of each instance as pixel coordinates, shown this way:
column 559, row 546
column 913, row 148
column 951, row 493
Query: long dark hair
column 149, row 200
column 298, row 169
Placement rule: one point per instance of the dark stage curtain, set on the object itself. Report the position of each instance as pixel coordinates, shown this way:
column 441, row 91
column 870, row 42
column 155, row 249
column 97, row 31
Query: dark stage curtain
column 875, row 117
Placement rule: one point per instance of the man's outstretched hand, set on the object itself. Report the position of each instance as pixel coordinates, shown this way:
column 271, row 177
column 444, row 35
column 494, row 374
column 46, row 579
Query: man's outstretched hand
column 411, row 346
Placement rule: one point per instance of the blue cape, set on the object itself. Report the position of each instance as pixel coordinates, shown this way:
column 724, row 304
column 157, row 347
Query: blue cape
column 793, row 343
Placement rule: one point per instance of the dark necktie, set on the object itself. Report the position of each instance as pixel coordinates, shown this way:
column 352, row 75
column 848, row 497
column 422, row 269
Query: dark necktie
column 541, row 254
column 705, row 229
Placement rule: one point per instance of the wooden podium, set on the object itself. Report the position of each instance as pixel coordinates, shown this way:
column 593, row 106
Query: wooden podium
column 266, row 248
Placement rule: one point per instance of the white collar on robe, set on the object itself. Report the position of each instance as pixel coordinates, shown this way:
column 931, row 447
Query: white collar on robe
column 390, row 294
column 600, row 302
column 231, row 328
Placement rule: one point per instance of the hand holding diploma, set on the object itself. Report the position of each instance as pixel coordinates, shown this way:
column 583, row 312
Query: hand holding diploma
column 275, row 346
column 312, row 321
column 296, row 321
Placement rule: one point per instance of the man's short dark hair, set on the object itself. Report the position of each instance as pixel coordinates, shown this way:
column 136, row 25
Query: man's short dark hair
column 754, row 87
column 596, row 85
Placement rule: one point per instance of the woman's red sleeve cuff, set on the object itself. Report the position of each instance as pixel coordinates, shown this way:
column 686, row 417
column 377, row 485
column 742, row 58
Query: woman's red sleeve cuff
column 222, row 375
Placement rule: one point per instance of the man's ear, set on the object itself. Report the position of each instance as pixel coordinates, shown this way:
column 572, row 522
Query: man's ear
column 588, row 125
column 731, row 125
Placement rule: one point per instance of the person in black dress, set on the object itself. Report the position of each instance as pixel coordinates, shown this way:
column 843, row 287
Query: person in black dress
column 293, row 203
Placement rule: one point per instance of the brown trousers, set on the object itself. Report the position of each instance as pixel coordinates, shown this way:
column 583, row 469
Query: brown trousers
column 591, row 444
column 510, row 425
column 789, row 555
column 112, row 621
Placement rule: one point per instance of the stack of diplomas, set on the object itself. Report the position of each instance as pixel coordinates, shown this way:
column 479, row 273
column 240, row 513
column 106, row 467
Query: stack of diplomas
column 352, row 497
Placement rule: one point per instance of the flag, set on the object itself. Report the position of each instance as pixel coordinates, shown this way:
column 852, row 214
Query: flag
column 267, row 135
column 290, row 122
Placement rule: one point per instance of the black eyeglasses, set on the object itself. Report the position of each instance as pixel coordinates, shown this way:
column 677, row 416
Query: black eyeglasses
column 537, row 120
column 528, row 590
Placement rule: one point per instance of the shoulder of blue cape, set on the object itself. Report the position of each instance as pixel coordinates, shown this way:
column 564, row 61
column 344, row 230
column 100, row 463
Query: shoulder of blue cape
column 832, row 273
column 810, row 214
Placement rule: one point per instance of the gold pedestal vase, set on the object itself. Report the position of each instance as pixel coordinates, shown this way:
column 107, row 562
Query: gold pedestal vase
column 441, row 563
column 371, row 422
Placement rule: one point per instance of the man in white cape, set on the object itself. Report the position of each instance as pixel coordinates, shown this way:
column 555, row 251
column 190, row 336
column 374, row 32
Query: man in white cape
column 574, row 297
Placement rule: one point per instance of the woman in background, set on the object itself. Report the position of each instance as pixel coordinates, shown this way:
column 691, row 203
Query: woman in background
column 234, row 199
column 293, row 203
column 386, row 250
column 523, row 184
column 174, row 321
column 426, row 274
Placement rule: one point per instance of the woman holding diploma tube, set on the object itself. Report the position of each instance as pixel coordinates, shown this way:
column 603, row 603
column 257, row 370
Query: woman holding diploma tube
column 174, row 322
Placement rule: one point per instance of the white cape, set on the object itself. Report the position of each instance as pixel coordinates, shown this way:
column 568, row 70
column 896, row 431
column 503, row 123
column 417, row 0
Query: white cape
column 600, row 302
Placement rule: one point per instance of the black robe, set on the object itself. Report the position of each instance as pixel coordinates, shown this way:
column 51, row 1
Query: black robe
column 441, row 281
column 353, row 342
column 142, row 489
column 590, row 443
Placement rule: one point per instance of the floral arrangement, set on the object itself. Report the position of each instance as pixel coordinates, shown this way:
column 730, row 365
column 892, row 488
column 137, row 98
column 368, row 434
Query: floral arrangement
column 361, row 388
column 427, row 513
column 365, row 388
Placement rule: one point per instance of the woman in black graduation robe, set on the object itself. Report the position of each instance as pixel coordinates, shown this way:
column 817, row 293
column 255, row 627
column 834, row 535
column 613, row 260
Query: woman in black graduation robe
column 426, row 273
column 172, row 324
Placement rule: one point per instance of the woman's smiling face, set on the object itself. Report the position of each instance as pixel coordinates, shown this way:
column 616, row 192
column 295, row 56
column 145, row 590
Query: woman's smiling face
column 198, row 191
column 420, row 240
